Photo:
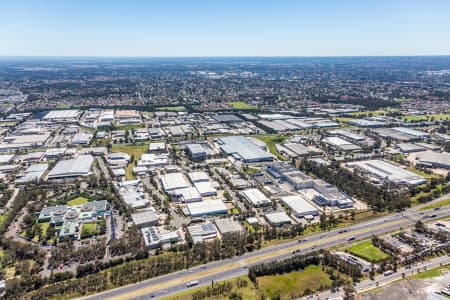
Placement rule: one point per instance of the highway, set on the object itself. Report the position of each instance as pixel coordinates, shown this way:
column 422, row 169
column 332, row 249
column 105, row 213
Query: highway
column 175, row 282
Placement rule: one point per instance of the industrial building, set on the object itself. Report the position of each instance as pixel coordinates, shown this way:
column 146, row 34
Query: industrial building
column 256, row 198
column 243, row 149
column 206, row 208
column 200, row 232
column 433, row 159
column 382, row 171
column 70, row 115
column 32, row 173
column 173, row 181
column 79, row 166
column 196, row 151
column 278, row 218
column 228, row 226
column 299, row 206
column 154, row 239
column 340, row 144
column 145, row 219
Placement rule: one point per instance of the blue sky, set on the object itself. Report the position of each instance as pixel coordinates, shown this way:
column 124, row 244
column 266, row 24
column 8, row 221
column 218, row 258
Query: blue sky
column 224, row 27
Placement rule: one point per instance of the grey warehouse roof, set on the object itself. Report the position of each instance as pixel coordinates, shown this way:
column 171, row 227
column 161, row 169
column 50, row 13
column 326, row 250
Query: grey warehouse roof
column 243, row 148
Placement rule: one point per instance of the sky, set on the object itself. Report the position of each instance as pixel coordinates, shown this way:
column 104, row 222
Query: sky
column 224, row 27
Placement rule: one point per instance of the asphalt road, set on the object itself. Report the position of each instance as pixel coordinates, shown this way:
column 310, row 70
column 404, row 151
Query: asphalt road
column 382, row 280
column 236, row 266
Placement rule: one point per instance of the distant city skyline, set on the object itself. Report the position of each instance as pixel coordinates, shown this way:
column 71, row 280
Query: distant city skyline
column 224, row 28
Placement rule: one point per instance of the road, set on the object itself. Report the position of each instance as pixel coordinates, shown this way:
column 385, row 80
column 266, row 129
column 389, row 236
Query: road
column 236, row 266
column 382, row 280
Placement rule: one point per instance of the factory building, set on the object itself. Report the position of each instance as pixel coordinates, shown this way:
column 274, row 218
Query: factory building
column 243, row 149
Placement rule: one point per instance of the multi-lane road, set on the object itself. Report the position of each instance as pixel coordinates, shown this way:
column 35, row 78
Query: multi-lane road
column 236, row 266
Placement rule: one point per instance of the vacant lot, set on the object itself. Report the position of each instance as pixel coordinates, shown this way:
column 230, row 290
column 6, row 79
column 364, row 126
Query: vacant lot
column 368, row 251
column 134, row 151
column 270, row 141
column 294, row 284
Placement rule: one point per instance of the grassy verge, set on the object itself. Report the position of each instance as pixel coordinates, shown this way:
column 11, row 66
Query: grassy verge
column 368, row 251
column 435, row 272
column 441, row 203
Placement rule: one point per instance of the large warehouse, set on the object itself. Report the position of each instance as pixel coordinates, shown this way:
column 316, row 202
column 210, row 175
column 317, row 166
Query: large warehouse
column 242, row 148
column 206, row 208
column 300, row 206
column 433, row 159
column 381, row 170
column 256, row 198
column 173, row 181
column 79, row 166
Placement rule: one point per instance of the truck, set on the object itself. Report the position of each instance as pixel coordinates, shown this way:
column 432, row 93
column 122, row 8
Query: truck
column 192, row 283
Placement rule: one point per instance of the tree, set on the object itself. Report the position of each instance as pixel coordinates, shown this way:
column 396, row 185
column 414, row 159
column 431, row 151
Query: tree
column 349, row 292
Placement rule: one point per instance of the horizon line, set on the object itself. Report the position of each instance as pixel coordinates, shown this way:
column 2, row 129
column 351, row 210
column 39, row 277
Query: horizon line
column 221, row 56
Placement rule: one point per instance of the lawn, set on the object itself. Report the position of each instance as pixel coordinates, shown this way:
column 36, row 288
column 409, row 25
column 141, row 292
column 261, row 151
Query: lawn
column 241, row 105
column 44, row 227
column 368, row 251
column 135, row 151
column 270, row 141
column 172, row 108
column 77, row 201
column 2, row 218
column 88, row 230
column 294, row 284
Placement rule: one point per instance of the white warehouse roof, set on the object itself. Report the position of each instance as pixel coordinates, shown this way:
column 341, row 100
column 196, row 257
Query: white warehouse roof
column 207, row 207
column 299, row 205
column 79, row 166
column 173, row 181
column 256, row 197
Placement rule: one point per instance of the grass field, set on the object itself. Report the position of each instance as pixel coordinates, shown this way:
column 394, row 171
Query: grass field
column 368, row 251
column 292, row 285
column 128, row 127
column 89, row 229
column 77, row 201
column 418, row 118
column 435, row 272
column 135, row 151
column 241, row 105
column 270, row 141
column 172, row 108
